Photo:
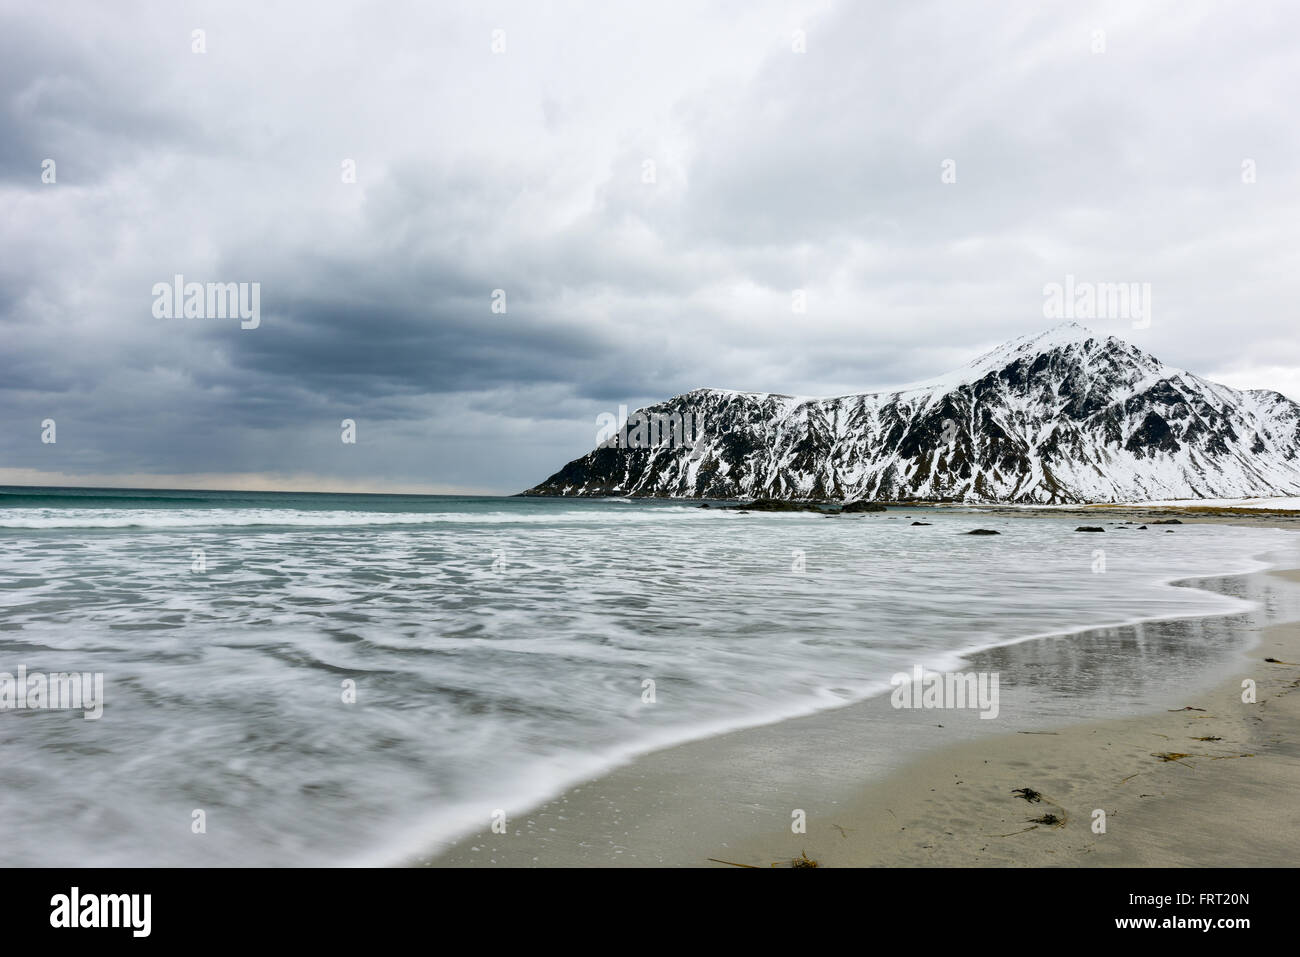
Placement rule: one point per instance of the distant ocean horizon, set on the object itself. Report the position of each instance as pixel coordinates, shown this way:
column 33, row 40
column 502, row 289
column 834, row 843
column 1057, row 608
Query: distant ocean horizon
column 341, row 678
column 55, row 495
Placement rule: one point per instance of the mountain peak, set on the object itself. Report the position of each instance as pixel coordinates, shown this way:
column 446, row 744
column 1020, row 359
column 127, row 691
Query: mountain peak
column 1070, row 329
column 1066, row 334
column 1069, row 336
column 1058, row 416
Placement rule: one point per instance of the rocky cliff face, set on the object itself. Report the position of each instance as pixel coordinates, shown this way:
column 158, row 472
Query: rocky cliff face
column 1062, row 417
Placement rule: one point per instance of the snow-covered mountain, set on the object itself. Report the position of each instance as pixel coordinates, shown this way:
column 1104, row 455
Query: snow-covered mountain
column 1061, row 417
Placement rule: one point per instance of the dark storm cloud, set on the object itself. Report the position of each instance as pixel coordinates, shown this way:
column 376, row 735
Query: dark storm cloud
column 90, row 105
column 648, row 187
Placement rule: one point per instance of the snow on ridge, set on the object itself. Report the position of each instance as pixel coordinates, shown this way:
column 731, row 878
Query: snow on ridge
column 1065, row 335
column 1059, row 417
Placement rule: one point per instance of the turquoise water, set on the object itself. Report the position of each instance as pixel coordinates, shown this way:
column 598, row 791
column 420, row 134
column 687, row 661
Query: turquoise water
column 499, row 648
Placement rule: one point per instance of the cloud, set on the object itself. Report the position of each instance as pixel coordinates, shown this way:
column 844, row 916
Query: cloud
column 649, row 187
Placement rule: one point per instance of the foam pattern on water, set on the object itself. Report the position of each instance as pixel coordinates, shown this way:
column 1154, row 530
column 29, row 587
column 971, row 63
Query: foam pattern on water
column 499, row 649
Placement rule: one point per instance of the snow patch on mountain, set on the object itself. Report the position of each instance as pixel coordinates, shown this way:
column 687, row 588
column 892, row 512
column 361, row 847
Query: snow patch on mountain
column 1061, row 417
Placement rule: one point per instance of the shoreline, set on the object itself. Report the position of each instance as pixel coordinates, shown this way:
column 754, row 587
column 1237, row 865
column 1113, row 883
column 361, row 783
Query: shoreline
column 1190, row 514
column 694, row 805
column 1141, row 514
column 1207, row 784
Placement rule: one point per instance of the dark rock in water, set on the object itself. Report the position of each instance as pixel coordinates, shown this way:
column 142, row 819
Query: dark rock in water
column 775, row 505
column 862, row 506
column 1167, row 521
column 921, row 523
column 1090, row 528
column 1142, row 528
column 983, row 531
column 703, row 505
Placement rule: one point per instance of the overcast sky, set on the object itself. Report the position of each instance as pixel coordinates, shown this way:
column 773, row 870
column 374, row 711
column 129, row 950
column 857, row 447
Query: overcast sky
column 1106, row 141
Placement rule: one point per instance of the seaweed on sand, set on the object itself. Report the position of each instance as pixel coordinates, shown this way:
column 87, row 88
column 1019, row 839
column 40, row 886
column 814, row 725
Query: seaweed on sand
column 1050, row 819
column 803, row 860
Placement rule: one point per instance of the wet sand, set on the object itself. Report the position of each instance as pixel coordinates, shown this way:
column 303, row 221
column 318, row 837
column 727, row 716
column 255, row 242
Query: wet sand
column 880, row 786
column 1213, row 786
column 1145, row 515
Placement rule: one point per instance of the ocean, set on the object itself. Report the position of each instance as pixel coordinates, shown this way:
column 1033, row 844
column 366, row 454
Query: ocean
column 321, row 679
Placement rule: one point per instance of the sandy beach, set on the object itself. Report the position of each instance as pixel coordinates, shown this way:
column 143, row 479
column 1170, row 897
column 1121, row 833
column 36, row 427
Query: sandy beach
column 1142, row 514
column 1212, row 785
column 1145, row 723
